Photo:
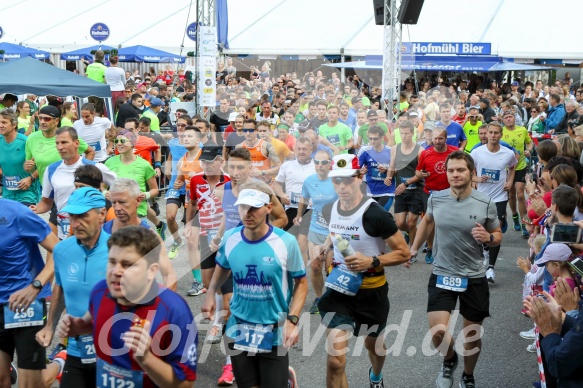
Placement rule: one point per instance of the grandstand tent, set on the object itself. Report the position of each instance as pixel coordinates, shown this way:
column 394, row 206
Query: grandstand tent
column 295, row 27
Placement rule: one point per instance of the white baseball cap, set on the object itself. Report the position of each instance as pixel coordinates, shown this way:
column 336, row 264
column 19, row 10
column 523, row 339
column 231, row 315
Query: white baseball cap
column 253, row 198
column 344, row 165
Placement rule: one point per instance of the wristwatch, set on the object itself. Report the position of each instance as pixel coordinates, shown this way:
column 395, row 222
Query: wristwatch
column 375, row 262
column 407, row 184
column 293, row 319
column 37, row 284
column 491, row 237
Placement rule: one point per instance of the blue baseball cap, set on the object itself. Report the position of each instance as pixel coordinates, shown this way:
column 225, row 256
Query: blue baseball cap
column 84, row 199
column 156, row 102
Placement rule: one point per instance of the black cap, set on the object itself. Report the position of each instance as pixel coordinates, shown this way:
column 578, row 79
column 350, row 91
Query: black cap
column 485, row 101
column 50, row 110
column 210, row 153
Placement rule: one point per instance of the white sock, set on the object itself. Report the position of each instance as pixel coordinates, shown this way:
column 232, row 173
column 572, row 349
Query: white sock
column 61, row 363
column 219, row 304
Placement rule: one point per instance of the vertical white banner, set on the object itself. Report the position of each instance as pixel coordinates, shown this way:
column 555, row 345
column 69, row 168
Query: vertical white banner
column 207, row 66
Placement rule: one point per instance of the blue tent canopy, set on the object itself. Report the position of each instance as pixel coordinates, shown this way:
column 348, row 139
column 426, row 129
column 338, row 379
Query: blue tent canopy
column 15, row 51
column 147, row 54
column 452, row 63
column 84, row 53
column 27, row 75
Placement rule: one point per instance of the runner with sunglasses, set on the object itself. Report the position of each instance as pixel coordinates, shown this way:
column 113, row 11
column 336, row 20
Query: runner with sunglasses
column 317, row 188
column 357, row 293
column 265, row 163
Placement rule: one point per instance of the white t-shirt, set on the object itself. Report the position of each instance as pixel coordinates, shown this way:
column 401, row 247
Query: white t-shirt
column 293, row 174
column 94, row 135
column 495, row 165
column 115, row 77
column 59, row 184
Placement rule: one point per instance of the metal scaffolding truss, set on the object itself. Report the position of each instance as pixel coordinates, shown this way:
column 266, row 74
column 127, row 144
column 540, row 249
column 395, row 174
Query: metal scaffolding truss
column 206, row 15
column 391, row 55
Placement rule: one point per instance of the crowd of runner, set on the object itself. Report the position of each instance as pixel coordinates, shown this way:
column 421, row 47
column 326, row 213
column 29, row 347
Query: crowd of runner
column 293, row 183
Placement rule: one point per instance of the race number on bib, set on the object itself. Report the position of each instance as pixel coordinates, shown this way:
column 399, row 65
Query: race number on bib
column 33, row 316
column 295, row 198
column 96, row 146
column 11, row 182
column 452, row 283
column 344, row 281
column 254, row 338
column 334, row 139
column 64, row 223
column 493, row 175
column 87, row 349
column 111, row 376
column 377, row 175
column 171, row 193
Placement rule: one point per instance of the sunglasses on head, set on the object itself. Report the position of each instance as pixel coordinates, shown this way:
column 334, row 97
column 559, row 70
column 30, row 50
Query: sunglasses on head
column 343, row 179
column 121, row 141
column 248, row 130
column 322, row 162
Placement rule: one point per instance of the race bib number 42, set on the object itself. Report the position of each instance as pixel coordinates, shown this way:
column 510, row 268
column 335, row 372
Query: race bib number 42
column 344, row 281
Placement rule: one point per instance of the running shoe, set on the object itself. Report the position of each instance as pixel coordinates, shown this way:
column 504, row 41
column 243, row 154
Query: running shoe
column 516, row 222
column 174, row 248
column 531, row 348
column 196, row 289
column 429, row 256
column 13, row 374
column 292, row 381
column 529, row 334
column 504, row 225
column 162, row 230
column 467, row 381
column 525, row 233
column 156, row 208
column 490, row 275
column 227, row 378
column 445, row 377
column 214, row 335
column 378, row 384
column 314, row 308
column 60, row 347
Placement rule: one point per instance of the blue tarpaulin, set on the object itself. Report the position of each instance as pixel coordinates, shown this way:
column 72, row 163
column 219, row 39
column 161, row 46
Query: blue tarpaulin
column 147, row 54
column 222, row 23
column 15, row 51
column 84, row 53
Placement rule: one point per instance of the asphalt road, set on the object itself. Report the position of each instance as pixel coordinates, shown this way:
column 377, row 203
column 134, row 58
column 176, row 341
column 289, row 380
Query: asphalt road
column 504, row 361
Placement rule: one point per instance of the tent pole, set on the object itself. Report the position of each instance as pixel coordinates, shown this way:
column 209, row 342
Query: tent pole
column 342, row 70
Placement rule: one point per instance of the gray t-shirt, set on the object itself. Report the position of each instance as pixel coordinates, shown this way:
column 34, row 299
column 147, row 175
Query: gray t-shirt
column 455, row 251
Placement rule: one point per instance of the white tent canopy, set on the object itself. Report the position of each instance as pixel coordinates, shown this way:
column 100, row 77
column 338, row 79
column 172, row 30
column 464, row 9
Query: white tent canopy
column 297, row 27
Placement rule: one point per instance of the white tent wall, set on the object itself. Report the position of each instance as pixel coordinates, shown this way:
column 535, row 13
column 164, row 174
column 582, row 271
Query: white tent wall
column 298, row 27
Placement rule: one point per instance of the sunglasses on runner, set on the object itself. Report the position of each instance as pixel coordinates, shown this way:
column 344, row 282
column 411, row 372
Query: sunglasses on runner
column 322, row 162
column 121, row 141
column 45, row 118
column 343, row 179
column 246, row 130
